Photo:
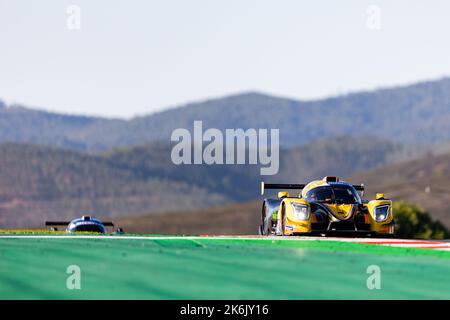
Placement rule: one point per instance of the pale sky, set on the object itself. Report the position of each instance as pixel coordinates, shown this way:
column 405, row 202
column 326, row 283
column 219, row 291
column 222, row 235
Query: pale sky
column 137, row 57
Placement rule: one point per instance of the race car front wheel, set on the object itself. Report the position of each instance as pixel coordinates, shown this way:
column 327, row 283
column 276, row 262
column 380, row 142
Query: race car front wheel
column 283, row 221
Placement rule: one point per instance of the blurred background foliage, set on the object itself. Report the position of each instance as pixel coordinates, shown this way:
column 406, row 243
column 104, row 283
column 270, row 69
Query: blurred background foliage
column 413, row 222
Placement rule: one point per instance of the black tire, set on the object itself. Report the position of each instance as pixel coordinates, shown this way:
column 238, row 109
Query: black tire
column 283, row 221
column 260, row 231
column 384, row 236
column 262, row 228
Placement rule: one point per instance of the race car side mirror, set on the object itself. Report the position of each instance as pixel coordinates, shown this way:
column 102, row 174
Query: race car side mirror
column 283, row 194
column 380, row 196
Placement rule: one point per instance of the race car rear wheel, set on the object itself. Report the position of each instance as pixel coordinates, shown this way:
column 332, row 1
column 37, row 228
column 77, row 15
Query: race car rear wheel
column 263, row 229
column 260, row 231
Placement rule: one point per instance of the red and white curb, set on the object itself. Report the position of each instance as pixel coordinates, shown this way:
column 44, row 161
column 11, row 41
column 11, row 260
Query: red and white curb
column 417, row 244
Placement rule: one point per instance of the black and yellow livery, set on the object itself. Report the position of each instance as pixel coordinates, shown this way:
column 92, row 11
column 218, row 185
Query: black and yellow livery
column 325, row 207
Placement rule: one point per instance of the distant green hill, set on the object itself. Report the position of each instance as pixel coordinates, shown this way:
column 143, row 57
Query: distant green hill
column 19, row 124
column 335, row 156
column 414, row 114
column 38, row 183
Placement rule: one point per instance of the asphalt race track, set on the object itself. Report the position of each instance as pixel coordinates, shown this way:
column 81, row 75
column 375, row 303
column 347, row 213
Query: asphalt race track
column 222, row 267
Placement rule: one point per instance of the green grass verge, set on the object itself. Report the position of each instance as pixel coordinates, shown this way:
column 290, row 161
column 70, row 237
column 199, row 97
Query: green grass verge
column 217, row 269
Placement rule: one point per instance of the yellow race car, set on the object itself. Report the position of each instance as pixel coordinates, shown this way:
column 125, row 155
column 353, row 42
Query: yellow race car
column 325, row 207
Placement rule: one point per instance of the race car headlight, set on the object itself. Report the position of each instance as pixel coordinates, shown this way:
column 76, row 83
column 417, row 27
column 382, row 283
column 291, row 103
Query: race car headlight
column 301, row 212
column 382, row 213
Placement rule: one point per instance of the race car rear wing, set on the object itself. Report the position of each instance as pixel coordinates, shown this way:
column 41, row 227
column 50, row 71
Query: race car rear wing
column 284, row 186
column 293, row 186
column 66, row 223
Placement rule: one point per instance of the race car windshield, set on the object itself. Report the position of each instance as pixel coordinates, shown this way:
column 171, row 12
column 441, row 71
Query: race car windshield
column 344, row 194
column 88, row 228
column 323, row 194
column 334, row 194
